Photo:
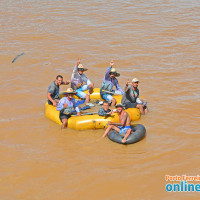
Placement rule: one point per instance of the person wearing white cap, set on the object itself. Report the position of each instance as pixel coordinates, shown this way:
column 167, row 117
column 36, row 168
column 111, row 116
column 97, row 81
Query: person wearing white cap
column 131, row 98
column 65, row 106
column 109, row 82
column 124, row 127
column 80, row 82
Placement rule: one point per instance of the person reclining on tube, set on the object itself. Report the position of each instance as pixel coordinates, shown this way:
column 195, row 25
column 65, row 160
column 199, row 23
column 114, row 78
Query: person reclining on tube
column 53, row 90
column 109, row 81
column 131, row 98
column 65, row 107
column 124, row 126
column 80, row 83
column 104, row 110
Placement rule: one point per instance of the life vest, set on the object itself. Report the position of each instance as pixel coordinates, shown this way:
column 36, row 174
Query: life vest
column 106, row 85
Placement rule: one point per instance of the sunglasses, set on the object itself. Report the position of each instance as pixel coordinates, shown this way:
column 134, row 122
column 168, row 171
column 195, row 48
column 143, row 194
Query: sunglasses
column 112, row 73
column 80, row 69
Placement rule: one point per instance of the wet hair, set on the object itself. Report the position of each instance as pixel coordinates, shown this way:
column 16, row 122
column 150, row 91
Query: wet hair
column 105, row 102
column 59, row 76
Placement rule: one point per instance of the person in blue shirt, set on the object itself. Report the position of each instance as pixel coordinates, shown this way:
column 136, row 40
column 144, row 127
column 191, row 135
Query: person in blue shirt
column 109, row 82
column 65, row 106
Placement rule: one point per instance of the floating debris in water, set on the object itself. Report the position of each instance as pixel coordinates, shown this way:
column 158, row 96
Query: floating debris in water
column 17, row 57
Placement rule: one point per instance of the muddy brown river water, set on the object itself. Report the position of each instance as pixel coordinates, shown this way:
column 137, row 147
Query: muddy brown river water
column 156, row 41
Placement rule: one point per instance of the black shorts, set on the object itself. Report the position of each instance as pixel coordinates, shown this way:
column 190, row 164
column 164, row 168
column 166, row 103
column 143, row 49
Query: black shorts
column 64, row 116
column 131, row 105
column 50, row 103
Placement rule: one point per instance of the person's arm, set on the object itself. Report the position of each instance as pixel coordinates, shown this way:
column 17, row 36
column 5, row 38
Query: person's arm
column 122, row 122
column 76, row 107
column 61, row 105
column 75, row 72
column 113, row 123
column 107, row 75
column 50, row 99
column 85, row 80
column 110, row 112
column 124, row 118
column 119, row 88
column 50, row 91
column 66, row 82
column 138, row 100
column 126, row 88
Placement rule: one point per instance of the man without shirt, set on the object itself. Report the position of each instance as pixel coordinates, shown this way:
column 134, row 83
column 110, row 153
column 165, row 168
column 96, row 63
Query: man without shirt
column 123, row 127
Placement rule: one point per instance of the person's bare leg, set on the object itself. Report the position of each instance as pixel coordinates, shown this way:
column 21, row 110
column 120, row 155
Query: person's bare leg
column 113, row 102
column 140, row 107
column 107, row 130
column 146, row 110
column 91, row 87
column 64, row 123
column 128, row 132
column 87, row 98
column 116, row 128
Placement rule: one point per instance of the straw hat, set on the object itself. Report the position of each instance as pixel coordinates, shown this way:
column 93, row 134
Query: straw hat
column 113, row 70
column 80, row 66
column 69, row 91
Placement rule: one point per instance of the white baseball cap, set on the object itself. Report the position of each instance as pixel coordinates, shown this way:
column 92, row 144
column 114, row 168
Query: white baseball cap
column 135, row 80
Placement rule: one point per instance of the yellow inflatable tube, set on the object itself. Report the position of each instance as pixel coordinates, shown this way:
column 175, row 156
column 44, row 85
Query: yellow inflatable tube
column 96, row 95
column 89, row 121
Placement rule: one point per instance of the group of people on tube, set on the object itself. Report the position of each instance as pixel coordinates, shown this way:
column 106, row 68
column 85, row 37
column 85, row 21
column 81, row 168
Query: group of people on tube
column 80, row 83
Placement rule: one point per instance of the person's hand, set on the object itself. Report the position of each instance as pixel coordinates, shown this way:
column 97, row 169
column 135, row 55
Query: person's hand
column 112, row 63
column 65, row 105
column 79, row 114
column 111, row 112
column 54, row 104
column 78, row 61
column 79, row 85
column 110, row 123
column 128, row 82
column 123, row 140
column 67, row 82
